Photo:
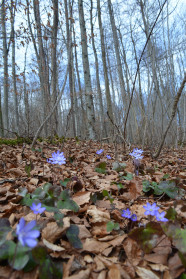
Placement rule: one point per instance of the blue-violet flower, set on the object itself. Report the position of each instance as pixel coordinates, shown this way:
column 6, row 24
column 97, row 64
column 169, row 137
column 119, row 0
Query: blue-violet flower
column 160, row 216
column 136, row 153
column 109, row 157
column 99, row 151
column 37, row 208
column 126, row 213
column 26, row 234
column 57, row 158
column 150, row 209
column 133, row 217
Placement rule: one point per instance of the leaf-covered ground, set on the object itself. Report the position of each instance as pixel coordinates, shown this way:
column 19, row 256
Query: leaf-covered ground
column 93, row 240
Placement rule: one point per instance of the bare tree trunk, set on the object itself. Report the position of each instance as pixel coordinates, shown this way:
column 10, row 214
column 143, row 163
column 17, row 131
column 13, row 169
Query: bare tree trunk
column 26, row 102
column 43, row 67
column 54, row 67
column 107, row 88
column 87, row 79
column 84, row 119
column 174, row 109
column 12, row 11
column 118, row 58
column 5, row 64
column 1, row 118
column 68, row 16
column 102, row 126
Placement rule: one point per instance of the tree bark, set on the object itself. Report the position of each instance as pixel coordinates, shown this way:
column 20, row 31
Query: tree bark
column 107, row 88
column 86, row 69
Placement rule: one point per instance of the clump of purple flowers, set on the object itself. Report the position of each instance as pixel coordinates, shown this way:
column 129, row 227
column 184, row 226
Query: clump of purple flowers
column 99, row 151
column 36, row 208
column 137, row 155
column 153, row 211
column 57, row 158
column 127, row 214
column 26, row 233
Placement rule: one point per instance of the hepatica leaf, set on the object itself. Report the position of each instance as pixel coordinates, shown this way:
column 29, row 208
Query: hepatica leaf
column 72, row 234
column 66, row 202
column 22, row 257
column 39, row 254
column 112, row 226
column 147, row 237
column 4, row 229
column 101, row 167
column 106, row 194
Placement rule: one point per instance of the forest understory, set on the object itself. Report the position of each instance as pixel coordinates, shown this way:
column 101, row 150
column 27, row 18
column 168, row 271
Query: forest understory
column 83, row 231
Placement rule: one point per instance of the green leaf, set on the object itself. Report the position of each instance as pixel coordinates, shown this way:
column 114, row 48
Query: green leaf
column 39, row 254
column 96, row 196
column 180, row 240
column 59, row 218
column 68, row 204
column 118, row 166
column 169, row 188
column 158, row 191
column 28, row 168
column 4, row 229
column 27, row 200
column 101, row 167
column 120, row 186
column 167, row 175
column 129, row 176
column 50, row 270
column 22, row 191
column 112, row 226
column 65, row 181
column 65, row 195
column 183, row 276
column 39, row 194
column 147, row 237
column 106, row 194
column 51, row 208
column 72, row 234
column 7, row 249
column 20, row 257
column 146, row 186
column 171, row 214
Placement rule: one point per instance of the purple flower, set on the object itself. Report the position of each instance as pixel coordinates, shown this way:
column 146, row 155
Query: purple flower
column 57, row 158
column 126, row 213
column 136, row 153
column 26, row 234
column 133, row 217
column 109, row 157
column 150, row 209
column 37, row 208
column 99, row 151
column 160, row 216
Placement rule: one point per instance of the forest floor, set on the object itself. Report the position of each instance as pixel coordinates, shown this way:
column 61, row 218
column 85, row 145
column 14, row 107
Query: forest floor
column 93, row 240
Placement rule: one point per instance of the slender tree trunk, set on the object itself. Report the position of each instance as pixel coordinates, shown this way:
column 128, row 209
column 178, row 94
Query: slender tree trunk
column 1, row 118
column 68, row 16
column 5, row 65
column 97, row 74
column 107, row 88
column 43, row 67
column 118, row 58
column 26, row 102
column 54, row 67
column 84, row 119
column 13, row 67
column 86, row 70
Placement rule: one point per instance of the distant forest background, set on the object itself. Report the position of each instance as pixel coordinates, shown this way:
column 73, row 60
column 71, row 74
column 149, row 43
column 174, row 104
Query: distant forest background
column 79, row 60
